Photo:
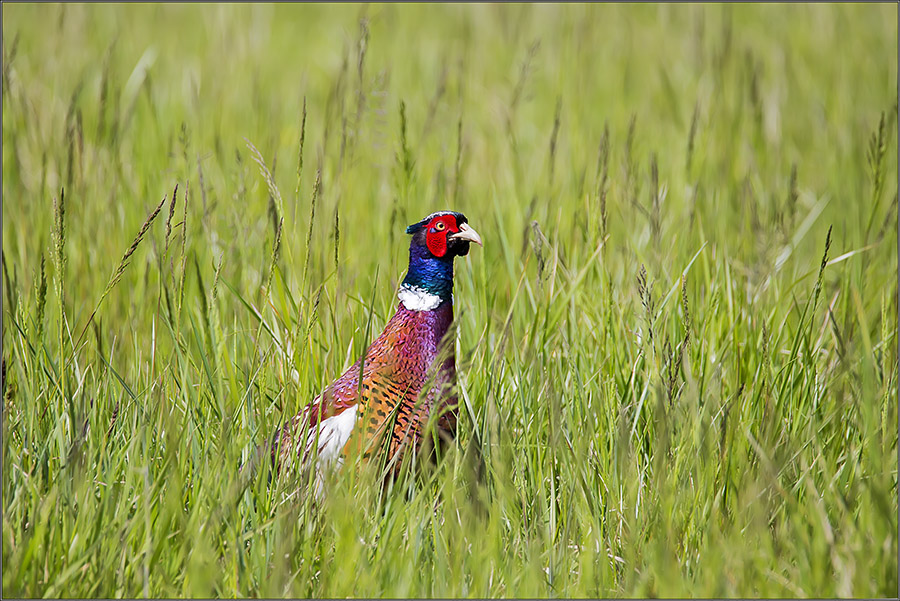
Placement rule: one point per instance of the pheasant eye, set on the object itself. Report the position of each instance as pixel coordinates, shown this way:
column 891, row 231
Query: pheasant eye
column 439, row 226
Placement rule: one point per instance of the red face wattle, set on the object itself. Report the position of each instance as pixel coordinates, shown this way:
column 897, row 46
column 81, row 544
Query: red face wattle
column 436, row 233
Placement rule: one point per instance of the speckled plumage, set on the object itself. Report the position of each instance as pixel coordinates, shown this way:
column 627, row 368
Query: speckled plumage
column 409, row 371
column 399, row 366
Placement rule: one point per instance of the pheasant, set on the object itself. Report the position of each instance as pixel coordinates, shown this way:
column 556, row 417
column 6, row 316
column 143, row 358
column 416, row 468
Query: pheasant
column 408, row 372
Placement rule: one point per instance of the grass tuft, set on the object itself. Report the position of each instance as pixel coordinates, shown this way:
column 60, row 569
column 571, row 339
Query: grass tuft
column 875, row 155
column 41, row 294
column 120, row 268
column 603, row 179
column 406, row 160
column 553, row 136
column 171, row 214
column 312, row 220
column 300, row 157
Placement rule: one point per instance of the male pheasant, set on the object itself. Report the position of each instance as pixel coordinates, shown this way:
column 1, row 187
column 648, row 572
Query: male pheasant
column 408, row 372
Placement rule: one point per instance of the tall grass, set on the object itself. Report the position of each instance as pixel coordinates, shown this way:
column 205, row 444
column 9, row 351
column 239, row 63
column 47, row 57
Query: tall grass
column 677, row 351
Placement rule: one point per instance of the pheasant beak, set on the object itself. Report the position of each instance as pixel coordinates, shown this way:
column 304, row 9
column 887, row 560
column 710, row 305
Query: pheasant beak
column 466, row 233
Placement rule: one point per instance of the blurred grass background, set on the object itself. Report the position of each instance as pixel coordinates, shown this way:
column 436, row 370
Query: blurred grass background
column 673, row 385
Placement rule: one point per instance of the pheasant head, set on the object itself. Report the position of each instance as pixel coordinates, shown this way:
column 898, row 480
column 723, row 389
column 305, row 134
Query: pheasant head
column 436, row 241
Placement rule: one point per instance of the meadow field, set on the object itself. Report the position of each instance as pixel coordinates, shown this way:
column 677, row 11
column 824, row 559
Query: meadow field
column 677, row 350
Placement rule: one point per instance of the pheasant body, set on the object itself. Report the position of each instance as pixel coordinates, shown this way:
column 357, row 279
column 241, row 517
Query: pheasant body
column 408, row 372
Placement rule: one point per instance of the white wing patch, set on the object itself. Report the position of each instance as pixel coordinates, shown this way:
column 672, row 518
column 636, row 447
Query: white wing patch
column 417, row 299
column 333, row 434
